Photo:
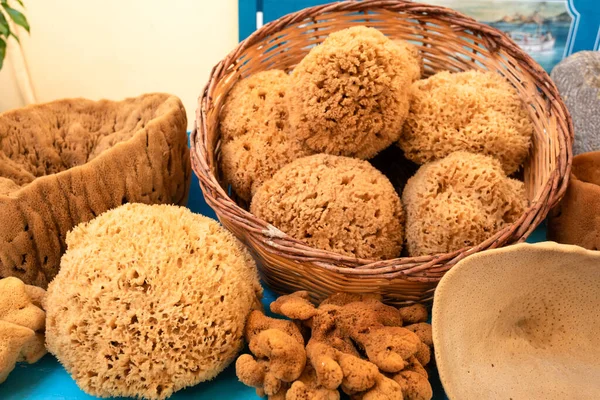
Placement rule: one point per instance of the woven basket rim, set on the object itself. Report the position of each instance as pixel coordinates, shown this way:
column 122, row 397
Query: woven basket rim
column 279, row 242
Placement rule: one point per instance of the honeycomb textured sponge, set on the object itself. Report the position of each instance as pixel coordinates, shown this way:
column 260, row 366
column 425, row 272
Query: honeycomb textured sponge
column 255, row 129
column 334, row 203
column 149, row 300
column 349, row 95
column 459, row 201
column 474, row 111
column 249, row 160
column 255, row 104
column 64, row 162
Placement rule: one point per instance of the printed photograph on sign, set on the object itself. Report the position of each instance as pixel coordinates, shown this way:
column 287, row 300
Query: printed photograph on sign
column 541, row 28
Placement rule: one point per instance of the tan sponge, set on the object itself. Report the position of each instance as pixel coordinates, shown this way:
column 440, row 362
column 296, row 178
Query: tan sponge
column 255, row 132
column 349, row 95
column 334, row 203
column 65, row 162
column 149, row 300
column 22, row 323
column 459, row 201
column 474, row 111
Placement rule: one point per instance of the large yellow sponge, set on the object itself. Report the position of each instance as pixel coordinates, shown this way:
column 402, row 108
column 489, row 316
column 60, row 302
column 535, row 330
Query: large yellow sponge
column 149, row 300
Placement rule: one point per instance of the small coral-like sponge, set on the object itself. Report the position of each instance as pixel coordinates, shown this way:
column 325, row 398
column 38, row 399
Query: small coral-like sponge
column 474, row 111
column 149, row 300
column 349, row 95
column 334, row 203
column 254, row 125
column 22, row 323
column 459, row 201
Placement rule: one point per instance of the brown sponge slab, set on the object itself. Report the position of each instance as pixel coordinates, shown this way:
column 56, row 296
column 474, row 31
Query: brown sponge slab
column 65, row 162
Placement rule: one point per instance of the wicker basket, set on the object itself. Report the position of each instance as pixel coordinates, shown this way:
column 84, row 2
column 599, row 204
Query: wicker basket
column 447, row 40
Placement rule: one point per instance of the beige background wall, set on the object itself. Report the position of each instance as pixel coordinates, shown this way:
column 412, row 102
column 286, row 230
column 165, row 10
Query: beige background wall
column 119, row 48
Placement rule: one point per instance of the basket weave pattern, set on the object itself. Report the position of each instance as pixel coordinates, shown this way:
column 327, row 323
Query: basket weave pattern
column 447, row 40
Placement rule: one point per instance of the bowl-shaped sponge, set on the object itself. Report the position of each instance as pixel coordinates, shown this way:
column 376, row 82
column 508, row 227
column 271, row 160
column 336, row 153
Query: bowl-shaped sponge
column 349, row 95
column 149, row 300
column 334, row 203
column 64, row 162
column 459, row 201
column 474, row 111
column 520, row 322
column 255, row 132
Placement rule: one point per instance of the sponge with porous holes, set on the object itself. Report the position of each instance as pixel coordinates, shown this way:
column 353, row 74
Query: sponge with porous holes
column 349, row 95
column 473, row 111
column 149, row 300
column 334, row 203
column 254, row 104
column 255, row 132
column 459, row 201
column 249, row 160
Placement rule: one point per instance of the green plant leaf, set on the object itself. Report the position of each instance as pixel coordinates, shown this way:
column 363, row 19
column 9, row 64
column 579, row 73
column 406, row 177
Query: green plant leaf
column 17, row 17
column 2, row 52
column 4, row 28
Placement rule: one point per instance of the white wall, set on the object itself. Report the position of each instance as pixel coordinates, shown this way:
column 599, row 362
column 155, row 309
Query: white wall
column 121, row 48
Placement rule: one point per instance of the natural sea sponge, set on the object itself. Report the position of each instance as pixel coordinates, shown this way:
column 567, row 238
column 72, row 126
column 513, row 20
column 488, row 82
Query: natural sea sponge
column 250, row 160
column 22, row 323
column 334, row 203
column 149, row 300
column 526, row 313
column 65, row 162
column 459, row 201
column 474, row 111
column 349, row 95
column 575, row 220
column 255, row 132
column 255, row 104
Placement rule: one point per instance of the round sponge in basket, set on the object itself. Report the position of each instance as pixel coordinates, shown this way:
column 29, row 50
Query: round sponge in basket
column 349, row 95
column 334, row 203
column 149, row 300
column 474, row 111
column 255, row 129
column 459, row 201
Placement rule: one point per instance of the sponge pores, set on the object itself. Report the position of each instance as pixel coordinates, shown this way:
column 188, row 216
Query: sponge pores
column 474, row 111
column 349, row 95
column 334, row 203
column 459, row 201
column 255, row 132
column 149, row 300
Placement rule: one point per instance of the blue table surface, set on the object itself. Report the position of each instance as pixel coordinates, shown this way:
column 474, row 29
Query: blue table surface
column 46, row 379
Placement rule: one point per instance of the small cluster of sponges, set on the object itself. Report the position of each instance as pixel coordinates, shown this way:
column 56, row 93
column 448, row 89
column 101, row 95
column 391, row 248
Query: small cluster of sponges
column 356, row 345
column 459, row 201
column 254, row 128
column 349, row 95
column 64, row 162
column 22, row 323
column 473, row 111
column 149, row 300
column 334, row 203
